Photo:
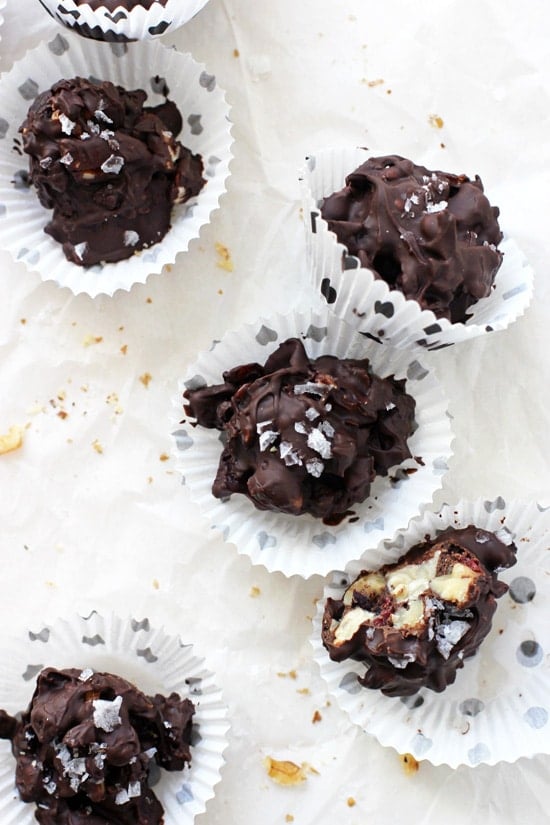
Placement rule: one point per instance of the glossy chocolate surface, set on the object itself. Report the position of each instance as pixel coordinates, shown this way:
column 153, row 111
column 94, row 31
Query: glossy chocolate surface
column 305, row 436
column 109, row 167
column 86, row 744
column 401, row 660
column 431, row 235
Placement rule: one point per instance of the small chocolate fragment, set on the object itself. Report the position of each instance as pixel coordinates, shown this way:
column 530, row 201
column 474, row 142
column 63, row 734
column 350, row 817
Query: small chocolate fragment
column 110, row 168
column 85, row 745
column 431, row 235
column 305, row 436
column 414, row 622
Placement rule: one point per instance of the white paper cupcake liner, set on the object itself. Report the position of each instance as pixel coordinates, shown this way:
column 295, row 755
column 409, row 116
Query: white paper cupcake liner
column 152, row 660
column 355, row 295
column 123, row 24
column 149, row 66
column 498, row 709
column 303, row 545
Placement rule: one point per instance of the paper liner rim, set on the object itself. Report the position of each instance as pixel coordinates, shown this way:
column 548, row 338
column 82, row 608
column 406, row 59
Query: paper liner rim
column 235, row 525
column 395, row 735
column 120, row 276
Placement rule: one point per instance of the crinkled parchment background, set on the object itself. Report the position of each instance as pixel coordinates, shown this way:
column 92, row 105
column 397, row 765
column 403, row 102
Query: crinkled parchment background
column 82, row 528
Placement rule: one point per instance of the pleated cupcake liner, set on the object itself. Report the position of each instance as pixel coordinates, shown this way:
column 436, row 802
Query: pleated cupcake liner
column 120, row 25
column 153, row 660
column 152, row 67
column 303, row 545
column 352, row 292
column 498, row 709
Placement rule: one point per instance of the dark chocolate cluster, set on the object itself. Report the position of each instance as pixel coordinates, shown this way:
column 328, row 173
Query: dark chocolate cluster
column 305, row 436
column 110, row 168
column 431, row 235
column 86, row 744
column 414, row 622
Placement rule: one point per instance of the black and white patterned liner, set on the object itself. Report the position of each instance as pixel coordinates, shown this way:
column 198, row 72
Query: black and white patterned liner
column 123, row 24
column 498, row 709
column 207, row 130
column 353, row 294
column 303, row 545
column 151, row 659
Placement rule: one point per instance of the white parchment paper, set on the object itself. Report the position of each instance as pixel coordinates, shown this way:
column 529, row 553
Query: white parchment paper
column 92, row 511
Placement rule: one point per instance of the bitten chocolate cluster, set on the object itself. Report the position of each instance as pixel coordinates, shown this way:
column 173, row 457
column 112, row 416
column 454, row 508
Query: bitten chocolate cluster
column 86, row 743
column 305, row 436
column 414, row 622
column 431, row 235
column 110, row 168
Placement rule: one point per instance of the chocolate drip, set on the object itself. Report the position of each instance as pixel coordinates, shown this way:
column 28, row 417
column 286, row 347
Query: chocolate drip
column 110, row 168
column 305, row 436
column 401, row 660
column 431, row 235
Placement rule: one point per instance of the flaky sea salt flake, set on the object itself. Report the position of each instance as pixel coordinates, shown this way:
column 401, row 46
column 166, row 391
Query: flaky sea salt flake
column 315, row 467
column 317, row 441
column 289, row 455
column 131, row 238
column 267, row 438
column 112, row 165
column 436, row 207
column 106, row 713
column 122, row 797
column 67, row 125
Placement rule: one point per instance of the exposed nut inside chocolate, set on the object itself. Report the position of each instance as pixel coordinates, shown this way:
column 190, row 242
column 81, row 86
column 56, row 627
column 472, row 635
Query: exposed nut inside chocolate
column 431, row 235
column 414, row 622
column 305, row 436
column 86, row 744
column 109, row 167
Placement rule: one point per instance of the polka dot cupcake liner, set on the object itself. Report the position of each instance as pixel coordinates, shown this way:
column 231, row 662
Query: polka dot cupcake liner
column 303, row 545
column 149, row 66
column 155, row 662
column 139, row 23
column 498, row 709
column 353, row 293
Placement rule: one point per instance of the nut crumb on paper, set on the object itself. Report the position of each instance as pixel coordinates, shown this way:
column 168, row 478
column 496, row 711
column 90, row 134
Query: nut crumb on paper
column 89, row 340
column 148, row 300
column 224, row 257
column 23, row 321
column 236, row 53
column 316, row 718
column 12, row 440
column 97, row 446
column 409, row 763
column 124, row 349
column 373, row 83
column 254, row 592
column 436, row 121
column 285, row 772
column 146, row 378
column 305, row 691
column 156, row 584
column 350, row 802
column 164, row 457
column 291, row 674
column 289, row 818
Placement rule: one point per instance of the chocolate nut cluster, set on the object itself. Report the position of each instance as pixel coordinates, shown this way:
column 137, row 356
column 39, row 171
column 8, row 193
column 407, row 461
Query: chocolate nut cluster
column 86, row 744
column 431, row 235
column 414, row 622
column 305, row 436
